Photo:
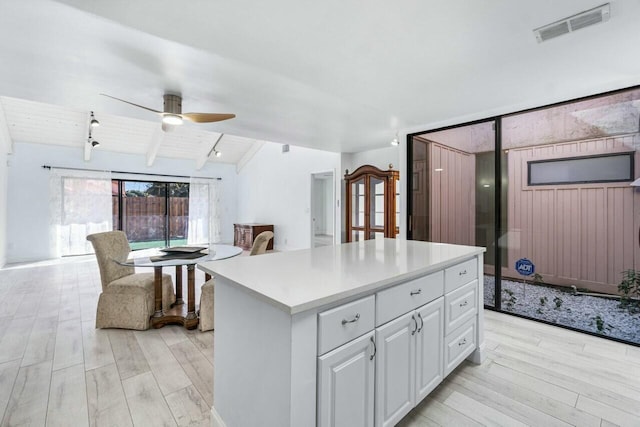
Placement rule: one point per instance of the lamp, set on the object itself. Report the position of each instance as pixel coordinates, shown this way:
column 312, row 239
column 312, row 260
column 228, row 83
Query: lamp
column 94, row 123
column 395, row 140
column 213, row 149
column 172, row 119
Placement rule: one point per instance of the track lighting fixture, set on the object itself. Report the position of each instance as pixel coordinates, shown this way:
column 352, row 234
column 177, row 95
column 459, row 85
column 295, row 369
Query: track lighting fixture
column 395, row 140
column 94, row 123
column 213, row 149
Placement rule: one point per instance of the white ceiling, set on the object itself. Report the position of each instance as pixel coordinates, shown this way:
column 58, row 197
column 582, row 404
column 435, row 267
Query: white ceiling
column 342, row 75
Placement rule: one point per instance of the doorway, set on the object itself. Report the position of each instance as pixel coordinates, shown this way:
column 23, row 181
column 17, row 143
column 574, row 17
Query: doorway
column 323, row 218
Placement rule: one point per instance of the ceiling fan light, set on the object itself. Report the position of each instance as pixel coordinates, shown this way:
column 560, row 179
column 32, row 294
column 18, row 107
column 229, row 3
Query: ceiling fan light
column 172, row 119
column 218, row 153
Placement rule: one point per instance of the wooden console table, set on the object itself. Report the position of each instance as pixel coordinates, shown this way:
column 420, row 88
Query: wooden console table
column 244, row 234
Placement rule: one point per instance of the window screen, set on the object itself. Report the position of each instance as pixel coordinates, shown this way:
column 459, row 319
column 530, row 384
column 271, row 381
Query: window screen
column 578, row 170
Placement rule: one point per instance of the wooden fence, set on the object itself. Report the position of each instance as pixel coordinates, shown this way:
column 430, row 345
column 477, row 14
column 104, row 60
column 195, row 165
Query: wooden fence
column 144, row 217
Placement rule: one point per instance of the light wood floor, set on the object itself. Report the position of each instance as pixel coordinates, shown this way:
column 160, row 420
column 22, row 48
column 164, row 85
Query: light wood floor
column 56, row 369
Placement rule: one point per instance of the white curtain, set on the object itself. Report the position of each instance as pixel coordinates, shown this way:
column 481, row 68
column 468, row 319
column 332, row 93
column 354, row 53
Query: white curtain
column 204, row 211
column 80, row 204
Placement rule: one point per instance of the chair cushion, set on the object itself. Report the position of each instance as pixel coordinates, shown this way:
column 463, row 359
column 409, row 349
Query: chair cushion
column 133, row 283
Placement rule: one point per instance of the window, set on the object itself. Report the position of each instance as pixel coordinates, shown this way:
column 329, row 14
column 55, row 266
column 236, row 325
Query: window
column 152, row 214
column 581, row 170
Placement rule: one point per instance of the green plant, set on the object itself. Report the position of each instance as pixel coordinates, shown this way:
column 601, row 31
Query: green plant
column 630, row 289
column 537, row 279
column 511, row 299
column 558, row 302
column 601, row 326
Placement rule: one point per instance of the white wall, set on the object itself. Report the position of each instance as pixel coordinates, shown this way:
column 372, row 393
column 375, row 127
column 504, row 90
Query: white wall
column 28, row 194
column 275, row 188
column 380, row 158
column 4, row 158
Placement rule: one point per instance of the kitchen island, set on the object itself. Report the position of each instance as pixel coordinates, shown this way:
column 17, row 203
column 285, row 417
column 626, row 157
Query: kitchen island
column 354, row 334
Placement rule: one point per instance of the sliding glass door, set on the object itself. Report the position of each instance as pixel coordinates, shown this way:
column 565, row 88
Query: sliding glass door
column 551, row 194
column 152, row 214
column 453, row 188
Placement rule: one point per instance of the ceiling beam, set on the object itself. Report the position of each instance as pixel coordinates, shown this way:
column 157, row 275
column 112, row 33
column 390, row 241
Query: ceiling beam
column 87, row 151
column 257, row 145
column 154, row 146
column 5, row 136
column 206, row 152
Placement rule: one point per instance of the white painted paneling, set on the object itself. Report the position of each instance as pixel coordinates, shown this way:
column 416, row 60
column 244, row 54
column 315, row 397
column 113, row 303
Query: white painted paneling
column 28, row 192
column 275, row 188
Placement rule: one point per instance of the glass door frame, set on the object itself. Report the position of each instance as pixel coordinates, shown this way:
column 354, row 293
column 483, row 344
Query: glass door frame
column 499, row 196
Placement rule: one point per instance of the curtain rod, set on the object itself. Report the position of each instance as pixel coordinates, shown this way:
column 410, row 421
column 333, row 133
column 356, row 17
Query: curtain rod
column 130, row 173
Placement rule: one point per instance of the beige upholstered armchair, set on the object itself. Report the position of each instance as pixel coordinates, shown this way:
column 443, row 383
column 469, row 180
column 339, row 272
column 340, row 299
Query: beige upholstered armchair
column 260, row 243
column 128, row 299
column 206, row 295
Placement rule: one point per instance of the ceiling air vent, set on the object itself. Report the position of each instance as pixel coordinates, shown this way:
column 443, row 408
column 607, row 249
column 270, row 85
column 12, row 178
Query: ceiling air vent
column 573, row 23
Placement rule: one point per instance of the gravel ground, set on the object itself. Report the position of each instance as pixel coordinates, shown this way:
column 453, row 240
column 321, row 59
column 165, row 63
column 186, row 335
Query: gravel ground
column 577, row 311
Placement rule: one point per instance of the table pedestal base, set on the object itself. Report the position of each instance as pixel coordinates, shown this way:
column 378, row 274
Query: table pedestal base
column 179, row 313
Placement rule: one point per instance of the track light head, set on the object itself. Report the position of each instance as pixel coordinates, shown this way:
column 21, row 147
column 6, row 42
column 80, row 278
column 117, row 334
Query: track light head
column 94, row 143
column 218, row 154
column 94, row 123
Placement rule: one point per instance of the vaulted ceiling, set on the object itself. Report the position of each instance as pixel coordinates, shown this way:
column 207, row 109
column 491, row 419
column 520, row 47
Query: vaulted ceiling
column 342, row 76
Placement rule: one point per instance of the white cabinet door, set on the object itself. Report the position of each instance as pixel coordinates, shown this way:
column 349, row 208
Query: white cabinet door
column 395, row 366
column 346, row 384
column 429, row 344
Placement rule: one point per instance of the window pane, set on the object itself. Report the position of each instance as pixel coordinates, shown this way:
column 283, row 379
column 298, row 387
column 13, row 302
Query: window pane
column 453, row 189
column 605, row 168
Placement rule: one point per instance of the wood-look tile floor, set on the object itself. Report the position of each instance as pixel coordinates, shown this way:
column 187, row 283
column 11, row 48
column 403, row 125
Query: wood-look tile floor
column 56, row 369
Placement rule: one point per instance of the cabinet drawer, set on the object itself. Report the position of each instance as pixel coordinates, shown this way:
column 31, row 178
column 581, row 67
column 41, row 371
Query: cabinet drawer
column 458, row 345
column 344, row 323
column 400, row 299
column 460, row 306
column 460, row 274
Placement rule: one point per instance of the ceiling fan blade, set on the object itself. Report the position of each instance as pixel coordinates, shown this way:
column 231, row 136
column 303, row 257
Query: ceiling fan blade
column 131, row 103
column 207, row 117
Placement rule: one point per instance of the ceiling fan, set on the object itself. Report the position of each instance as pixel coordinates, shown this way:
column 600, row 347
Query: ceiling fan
column 173, row 115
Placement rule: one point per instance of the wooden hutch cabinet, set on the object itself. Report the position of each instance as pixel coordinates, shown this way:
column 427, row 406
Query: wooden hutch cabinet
column 244, row 234
column 371, row 203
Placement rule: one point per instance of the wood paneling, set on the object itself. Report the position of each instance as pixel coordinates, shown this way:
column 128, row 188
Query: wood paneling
column 451, row 195
column 578, row 234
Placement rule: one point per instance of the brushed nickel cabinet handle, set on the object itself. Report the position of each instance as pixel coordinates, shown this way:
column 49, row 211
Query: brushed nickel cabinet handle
column 463, row 342
column 417, row 292
column 413, row 317
column 421, row 323
column 355, row 319
column 375, row 349
column 463, row 272
column 464, row 304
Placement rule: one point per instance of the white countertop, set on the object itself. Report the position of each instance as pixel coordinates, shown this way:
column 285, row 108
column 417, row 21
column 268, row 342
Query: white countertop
column 300, row 280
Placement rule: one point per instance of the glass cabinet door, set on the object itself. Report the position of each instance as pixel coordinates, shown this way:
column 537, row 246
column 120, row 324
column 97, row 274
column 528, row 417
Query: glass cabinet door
column 371, row 203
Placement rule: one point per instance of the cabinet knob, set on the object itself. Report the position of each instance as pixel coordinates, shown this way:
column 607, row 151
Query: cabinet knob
column 417, row 292
column 463, row 342
column 354, row 319
column 464, row 304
